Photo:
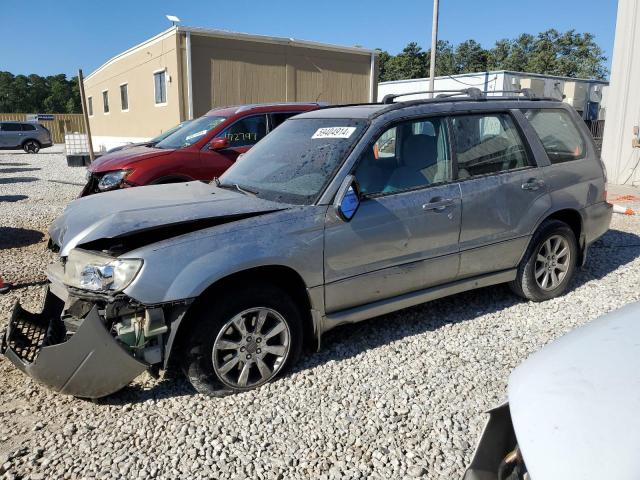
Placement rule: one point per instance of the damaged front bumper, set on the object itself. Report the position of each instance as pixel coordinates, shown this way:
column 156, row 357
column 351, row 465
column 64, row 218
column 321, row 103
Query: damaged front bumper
column 89, row 363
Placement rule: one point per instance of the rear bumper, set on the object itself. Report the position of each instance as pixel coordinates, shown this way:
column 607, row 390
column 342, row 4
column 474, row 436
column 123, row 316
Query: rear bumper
column 89, row 363
column 597, row 219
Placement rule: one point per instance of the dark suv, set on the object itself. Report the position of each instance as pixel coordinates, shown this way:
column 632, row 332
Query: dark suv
column 31, row 137
column 201, row 150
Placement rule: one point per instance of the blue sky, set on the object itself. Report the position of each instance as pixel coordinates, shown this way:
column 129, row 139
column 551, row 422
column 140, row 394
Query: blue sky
column 65, row 35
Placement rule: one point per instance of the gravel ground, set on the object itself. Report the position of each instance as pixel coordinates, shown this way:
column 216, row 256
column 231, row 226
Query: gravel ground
column 399, row 396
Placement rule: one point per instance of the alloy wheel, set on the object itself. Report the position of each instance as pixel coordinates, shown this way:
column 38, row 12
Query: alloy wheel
column 251, row 348
column 552, row 262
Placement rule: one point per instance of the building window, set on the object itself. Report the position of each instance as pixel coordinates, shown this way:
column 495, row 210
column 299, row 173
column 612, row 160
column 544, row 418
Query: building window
column 160, row 82
column 90, row 106
column 105, row 101
column 124, row 97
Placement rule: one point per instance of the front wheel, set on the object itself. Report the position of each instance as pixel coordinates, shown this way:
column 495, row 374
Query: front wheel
column 31, row 146
column 245, row 339
column 549, row 263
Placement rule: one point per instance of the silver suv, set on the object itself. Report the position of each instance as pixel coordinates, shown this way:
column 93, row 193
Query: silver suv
column 30, row 137
column 339, row 215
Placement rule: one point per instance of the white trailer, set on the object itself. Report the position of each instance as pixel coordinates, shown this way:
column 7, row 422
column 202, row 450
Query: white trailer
column 585, row 95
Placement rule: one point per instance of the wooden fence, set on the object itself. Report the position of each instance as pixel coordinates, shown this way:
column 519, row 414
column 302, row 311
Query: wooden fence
column 61, row 123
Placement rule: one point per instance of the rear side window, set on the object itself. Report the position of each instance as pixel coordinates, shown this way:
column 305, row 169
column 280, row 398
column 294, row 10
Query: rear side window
column 559, row 135
column 27, row 127
column 247, row 131
column 11, row 127
column 278, row 118
column 486, row 144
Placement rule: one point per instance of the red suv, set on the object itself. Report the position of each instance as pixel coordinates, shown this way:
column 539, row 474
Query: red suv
column 201, row 150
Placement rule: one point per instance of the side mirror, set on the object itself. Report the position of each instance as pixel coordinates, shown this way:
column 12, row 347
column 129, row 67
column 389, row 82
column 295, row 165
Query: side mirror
column 219, row 143
column 347, row 199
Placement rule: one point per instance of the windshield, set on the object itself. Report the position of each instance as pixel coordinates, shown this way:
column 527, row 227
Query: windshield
column 191, row 133
column 297, row 160
column 166, row 133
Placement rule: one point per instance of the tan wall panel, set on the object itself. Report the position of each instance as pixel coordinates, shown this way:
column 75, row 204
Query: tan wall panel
column 144, row 118
column 234, row 71
column 330, row 76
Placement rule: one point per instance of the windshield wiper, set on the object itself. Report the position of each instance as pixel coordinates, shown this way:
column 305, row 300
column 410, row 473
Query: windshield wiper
column 243, row 189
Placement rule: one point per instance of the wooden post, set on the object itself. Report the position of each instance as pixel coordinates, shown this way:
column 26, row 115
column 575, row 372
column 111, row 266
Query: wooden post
column 85, row 114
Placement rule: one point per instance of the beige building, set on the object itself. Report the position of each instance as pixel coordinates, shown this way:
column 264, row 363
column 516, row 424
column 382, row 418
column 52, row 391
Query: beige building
column 183, row 72
column 621, row 143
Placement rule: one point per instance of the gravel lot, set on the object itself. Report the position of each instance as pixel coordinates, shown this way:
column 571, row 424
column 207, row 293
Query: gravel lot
column 399, row 396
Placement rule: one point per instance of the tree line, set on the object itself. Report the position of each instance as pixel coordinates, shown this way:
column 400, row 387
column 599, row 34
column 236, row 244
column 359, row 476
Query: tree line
column 551, row 52
column 36, row 94
column 568, row 54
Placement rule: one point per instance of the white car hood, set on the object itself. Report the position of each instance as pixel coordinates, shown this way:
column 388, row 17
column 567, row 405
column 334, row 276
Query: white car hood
column 575, row 404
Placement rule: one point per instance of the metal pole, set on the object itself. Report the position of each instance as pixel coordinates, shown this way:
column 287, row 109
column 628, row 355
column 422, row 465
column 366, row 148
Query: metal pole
column 434, row 45
column 85, row 115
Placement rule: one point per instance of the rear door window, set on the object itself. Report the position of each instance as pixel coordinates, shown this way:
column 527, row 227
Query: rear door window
column 247, row 131
column 559, row 135
column 486, row 144
column 278, row 118
column 27, row 127
column 11, row 127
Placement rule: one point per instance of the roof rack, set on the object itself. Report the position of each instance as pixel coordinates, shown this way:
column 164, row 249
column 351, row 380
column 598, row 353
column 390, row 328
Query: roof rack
column 473, row 93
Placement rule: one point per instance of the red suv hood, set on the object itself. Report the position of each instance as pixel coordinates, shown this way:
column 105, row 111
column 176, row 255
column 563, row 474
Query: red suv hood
column 125, row 158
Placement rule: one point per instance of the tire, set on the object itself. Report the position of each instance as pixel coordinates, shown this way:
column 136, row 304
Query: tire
column 205, row 360
column 31, row 146
column 545, row 272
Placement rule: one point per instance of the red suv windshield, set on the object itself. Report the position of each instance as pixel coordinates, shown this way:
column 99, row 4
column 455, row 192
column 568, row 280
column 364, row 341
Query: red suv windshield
column 191, row 133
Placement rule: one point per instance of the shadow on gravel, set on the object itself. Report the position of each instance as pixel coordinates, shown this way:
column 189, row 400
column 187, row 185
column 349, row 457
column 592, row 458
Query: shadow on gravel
column 18, row 237
column 615, row 249
column 9, row 164
column 12, row 198
column 7, row 181
column 172, row 385
column 17, row 170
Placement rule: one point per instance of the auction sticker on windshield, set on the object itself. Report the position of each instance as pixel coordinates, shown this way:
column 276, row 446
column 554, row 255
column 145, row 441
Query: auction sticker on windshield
column 334, row 132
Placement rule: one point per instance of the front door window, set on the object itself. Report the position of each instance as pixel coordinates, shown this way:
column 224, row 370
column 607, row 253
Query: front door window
column 409, row 155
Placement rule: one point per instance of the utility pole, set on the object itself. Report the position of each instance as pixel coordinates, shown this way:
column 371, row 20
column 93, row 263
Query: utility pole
column 434, row 45
column 83, row 100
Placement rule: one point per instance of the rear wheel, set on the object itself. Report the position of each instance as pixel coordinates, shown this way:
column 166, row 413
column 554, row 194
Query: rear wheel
column 549, row 263
column 31, row 146
column 242, row 339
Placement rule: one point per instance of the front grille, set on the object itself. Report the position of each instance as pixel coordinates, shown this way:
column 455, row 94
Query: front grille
column 28, row 332
column 26, row 339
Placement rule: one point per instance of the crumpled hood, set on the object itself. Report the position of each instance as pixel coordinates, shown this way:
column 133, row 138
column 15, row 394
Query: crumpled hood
column 120, row 212
column 125, row 158
column 575, row 404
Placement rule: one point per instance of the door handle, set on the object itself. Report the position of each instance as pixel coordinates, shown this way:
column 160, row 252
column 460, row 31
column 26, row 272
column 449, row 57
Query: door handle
column 533, row 184
column 437, row 204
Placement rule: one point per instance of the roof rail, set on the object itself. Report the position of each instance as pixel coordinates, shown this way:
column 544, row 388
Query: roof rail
column 473, row 93
column 249, row 106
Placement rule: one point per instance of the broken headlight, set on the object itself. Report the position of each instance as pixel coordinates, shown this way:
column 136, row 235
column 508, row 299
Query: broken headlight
column 98, row 272
column 112, row 180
